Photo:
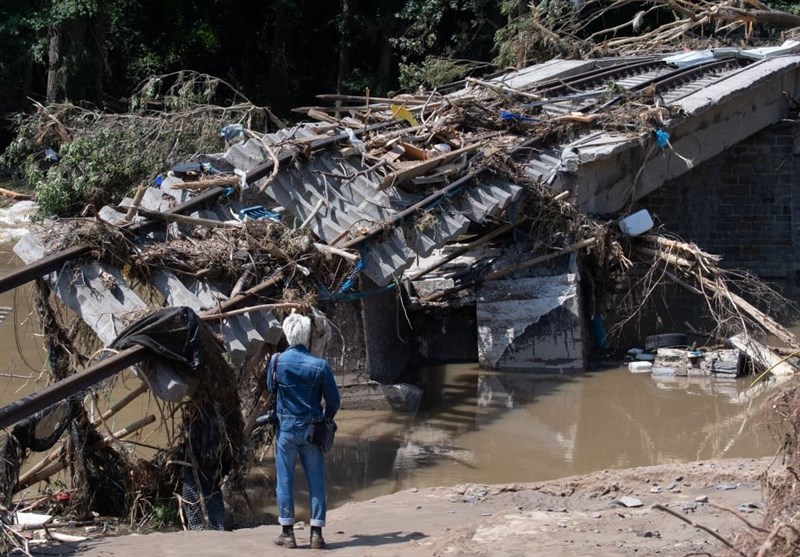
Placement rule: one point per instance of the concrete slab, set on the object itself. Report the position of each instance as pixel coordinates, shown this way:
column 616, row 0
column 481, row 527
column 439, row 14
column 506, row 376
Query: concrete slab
column 717, row 117
column 531, row 324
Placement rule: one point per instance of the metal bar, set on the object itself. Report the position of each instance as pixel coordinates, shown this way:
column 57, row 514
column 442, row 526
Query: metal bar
column 53, row 262
column 266, row 167
column 29, row 405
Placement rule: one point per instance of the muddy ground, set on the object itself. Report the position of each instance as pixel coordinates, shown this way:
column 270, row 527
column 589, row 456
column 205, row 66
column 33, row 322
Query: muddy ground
column 575, row 516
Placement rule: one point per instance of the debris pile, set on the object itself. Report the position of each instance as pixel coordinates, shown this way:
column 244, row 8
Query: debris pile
column 416, row 157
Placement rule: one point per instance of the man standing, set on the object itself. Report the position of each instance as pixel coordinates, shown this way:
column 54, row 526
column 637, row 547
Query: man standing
column 301, row 381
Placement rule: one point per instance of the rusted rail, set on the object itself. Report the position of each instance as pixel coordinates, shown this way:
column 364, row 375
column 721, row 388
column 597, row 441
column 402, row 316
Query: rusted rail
column 53, row 262
column 29, row 405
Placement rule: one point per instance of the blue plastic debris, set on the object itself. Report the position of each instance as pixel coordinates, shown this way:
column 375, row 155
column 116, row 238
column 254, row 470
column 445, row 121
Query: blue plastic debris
column 506, row 115
column 662, row 138
column 231, row 131
column 258, row 212
column 158, row 180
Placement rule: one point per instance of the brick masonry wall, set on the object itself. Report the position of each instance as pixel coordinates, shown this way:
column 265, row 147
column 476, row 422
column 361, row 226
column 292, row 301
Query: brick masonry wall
column 743, row 204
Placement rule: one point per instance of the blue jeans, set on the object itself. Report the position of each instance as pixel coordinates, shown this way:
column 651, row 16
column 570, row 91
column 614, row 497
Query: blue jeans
column 289, row 445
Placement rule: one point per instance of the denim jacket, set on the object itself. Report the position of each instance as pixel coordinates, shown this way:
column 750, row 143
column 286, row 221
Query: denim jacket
column 304, row 380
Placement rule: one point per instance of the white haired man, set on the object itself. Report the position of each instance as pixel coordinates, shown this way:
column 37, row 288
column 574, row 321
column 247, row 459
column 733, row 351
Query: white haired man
column 301, row 381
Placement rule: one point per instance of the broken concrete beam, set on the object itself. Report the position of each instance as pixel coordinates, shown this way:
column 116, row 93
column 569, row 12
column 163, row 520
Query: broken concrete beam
column 672, row 362
column 244, row 334
column 100, row 296
column 531, row 323
column 679, row 362
column 763, row 357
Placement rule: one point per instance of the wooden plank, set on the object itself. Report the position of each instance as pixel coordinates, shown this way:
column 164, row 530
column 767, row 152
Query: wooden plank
column 765, row 358
column 16, row 196
column 398, row 177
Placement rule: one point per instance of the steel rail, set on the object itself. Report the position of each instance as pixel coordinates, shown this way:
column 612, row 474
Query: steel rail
column 53, row 262
column 598, row 76
column 671, row 80
column 29, row 405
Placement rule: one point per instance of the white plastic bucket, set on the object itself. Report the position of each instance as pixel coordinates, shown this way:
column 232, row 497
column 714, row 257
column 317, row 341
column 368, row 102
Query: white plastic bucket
column 640, row 367
column 637, row 223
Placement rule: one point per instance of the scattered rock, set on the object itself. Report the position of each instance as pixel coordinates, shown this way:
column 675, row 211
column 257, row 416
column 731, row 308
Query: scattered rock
column 726, row 487
column 629, row 502
column 701, row 499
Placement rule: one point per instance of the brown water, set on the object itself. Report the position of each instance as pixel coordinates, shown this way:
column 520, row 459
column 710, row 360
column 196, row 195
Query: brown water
column 488, row 427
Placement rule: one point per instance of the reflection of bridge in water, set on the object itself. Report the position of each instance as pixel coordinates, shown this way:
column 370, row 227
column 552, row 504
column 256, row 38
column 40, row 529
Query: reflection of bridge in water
column 522, row 427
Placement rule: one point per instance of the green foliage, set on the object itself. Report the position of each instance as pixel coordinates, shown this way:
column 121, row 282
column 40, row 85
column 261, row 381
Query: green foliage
column 439, row 35
column 165, row 513
column 790, row 6
column 536, row 33
column 93, row 169
column 436, row 72
column 103, row 156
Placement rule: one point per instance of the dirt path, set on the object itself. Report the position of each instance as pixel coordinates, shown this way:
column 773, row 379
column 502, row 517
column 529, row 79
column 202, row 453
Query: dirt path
column 576, row 516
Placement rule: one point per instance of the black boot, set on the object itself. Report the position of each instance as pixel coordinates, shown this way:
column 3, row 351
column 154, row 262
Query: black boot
column 317, row 541
column 286, row 539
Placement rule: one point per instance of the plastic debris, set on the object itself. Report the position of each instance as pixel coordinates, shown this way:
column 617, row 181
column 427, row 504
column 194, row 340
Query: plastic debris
column 662, row 138
column 50, row 155
column 402, row 113
column 637, row 223
column 231, row 131
column 513, row 117
column 569, row 160
column 355, row 141
column 193, row 169
column 258, row 212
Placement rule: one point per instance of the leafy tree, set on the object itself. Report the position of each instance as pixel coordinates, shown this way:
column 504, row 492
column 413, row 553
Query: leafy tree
column 443, row 29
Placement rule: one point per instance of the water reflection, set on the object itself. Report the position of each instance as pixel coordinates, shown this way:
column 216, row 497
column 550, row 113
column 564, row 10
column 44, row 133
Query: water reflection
column 520, row 427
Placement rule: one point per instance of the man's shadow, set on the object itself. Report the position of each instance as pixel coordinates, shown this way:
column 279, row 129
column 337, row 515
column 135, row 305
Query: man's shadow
column 377, row 539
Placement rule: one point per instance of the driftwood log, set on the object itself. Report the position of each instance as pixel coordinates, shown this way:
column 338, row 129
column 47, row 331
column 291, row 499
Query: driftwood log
column 763, row 356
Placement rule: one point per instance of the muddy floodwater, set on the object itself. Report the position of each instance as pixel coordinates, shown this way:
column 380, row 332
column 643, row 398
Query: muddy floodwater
column 475, row 426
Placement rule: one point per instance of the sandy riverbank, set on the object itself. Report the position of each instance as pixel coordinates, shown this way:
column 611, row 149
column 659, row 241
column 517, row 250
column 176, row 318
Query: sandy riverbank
column 576, row 516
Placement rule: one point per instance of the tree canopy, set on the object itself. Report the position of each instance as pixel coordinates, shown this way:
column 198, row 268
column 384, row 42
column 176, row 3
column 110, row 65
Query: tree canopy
column 283, row 52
